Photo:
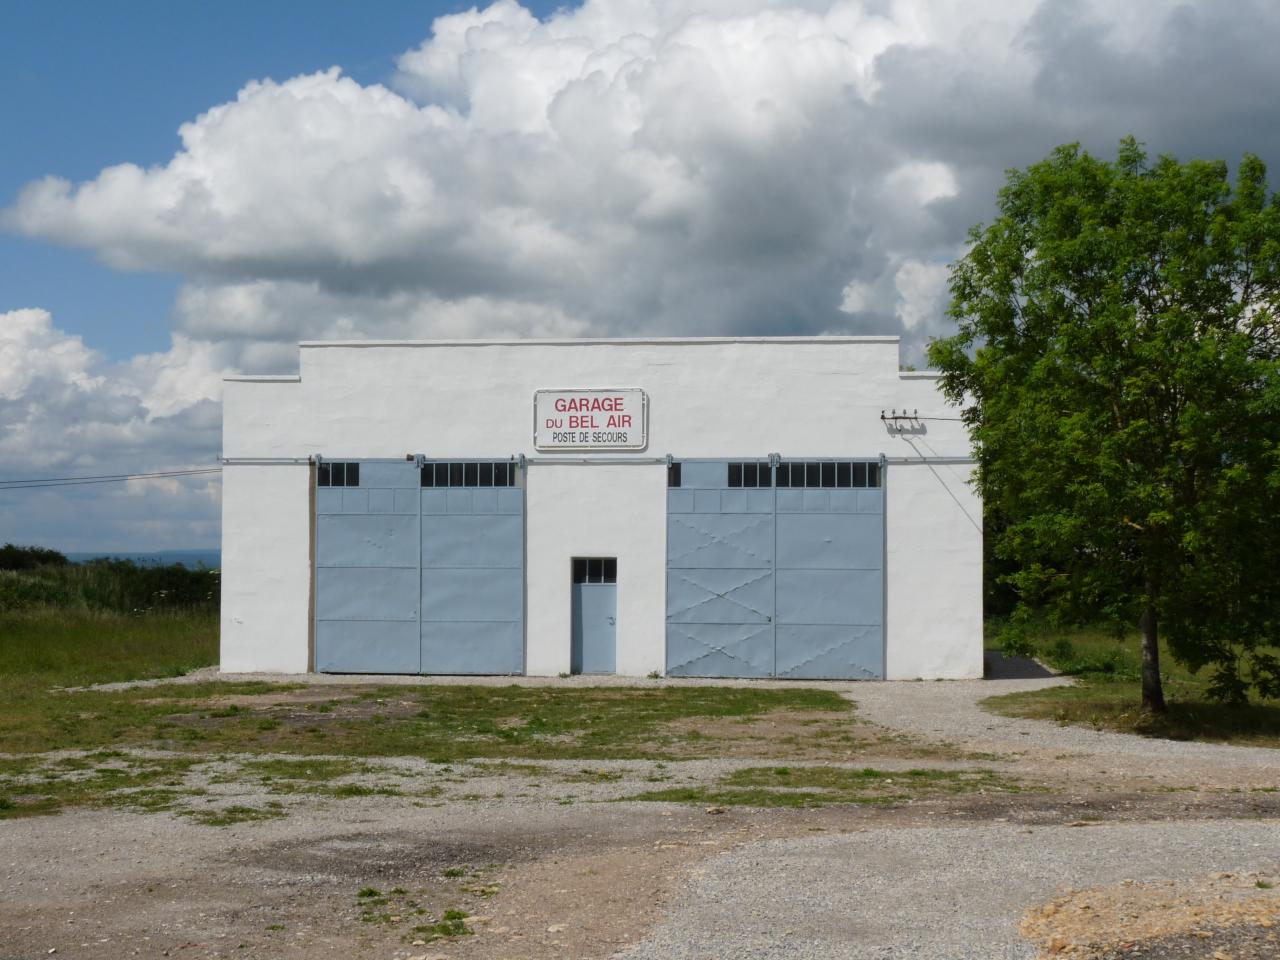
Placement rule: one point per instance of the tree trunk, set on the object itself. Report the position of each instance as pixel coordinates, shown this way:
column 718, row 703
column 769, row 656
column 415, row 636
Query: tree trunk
column 1152, row 688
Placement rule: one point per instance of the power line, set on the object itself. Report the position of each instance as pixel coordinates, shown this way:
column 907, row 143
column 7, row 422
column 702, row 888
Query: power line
column 28, row 484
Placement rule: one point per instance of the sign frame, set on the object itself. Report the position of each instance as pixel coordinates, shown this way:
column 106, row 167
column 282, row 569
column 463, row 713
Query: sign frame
column 579, row 448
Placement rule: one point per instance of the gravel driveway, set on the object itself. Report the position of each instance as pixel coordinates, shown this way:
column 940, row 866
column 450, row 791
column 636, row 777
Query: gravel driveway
column 944, row 878
column 925, row 893
column 953, row 893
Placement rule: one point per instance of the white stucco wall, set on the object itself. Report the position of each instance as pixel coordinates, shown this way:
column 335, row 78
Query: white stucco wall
column 734, row 399
column 707, row 398
column 596, row 511
column 266, row 572
column 933, row 573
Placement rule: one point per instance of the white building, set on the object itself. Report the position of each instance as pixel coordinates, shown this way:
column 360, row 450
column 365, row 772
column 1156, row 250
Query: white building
column 791, row 507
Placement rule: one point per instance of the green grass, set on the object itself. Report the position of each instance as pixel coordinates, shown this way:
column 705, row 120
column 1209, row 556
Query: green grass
column 44, row 649
column 820, row 786
column 228, row 816
column 1107, row 693
column 440, row 723
column 48, row 646
column 43, row 652
column 1115, row 705
column 316, row 776
column 31, row 786
column 449, row 926
column 305, row 770
column 397, row 905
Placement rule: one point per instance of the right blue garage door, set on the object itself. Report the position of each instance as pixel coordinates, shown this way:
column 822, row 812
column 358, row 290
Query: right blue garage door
column 776, row 570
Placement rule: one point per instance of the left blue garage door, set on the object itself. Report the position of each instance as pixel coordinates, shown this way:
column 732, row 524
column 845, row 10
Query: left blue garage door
column 419, row 569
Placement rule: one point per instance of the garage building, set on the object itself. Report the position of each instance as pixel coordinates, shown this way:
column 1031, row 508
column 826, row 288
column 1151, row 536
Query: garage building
column 764, row 507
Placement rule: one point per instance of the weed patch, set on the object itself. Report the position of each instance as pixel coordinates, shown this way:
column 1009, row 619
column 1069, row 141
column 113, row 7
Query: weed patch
column 819, row 786
column 448, row 724
column 227, row 816
column 33, row 789
column 310, row 771
column 452, row 924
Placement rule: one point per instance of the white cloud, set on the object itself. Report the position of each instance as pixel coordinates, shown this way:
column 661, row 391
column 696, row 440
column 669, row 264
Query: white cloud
column 277, row 314
column 709, row 166
column 922, row 293
column 703, row 167
column 856, row 296
column 65, row 411
column 626, row 166
column 33, row 352
column 922, row 183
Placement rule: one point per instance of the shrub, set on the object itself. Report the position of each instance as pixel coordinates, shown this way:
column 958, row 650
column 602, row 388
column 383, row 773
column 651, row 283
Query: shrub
column 19, row 591
column 13, row 557
column 121, row 586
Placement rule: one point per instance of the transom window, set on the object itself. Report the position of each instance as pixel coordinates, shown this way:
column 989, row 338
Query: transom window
column 595, row 569
column 337, row 474
column 829, row 473
column 469, row 473
column 750, row 473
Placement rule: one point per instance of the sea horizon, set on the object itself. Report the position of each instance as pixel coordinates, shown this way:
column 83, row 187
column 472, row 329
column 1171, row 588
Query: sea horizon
column 211, row 558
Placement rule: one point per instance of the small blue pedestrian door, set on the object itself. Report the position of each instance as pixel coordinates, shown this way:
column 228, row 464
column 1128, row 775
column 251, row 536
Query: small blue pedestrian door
column 593, row 647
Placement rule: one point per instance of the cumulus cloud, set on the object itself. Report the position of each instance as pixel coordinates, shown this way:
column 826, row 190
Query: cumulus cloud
column 714, row 166
column 637, row 166
column 624, row 166
column 67, row 412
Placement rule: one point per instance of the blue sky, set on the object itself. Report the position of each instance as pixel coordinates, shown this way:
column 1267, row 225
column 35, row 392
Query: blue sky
column 623, row 167
column 92, row 84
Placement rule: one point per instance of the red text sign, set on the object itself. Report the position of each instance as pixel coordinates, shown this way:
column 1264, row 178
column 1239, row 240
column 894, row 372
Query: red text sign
column 590, row 419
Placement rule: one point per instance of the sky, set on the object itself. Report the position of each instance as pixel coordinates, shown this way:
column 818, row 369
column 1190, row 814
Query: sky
column 188, row 190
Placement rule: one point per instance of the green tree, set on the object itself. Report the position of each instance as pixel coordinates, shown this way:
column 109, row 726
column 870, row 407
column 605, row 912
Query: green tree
column 13, row 557
column 1117, row 363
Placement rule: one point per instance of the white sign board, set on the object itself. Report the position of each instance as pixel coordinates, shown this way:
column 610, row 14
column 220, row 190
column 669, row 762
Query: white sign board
column 590, row 419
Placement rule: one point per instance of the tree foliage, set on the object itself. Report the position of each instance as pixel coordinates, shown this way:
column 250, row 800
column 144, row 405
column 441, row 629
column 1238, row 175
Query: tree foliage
column 13, row 557
column 1117, row 362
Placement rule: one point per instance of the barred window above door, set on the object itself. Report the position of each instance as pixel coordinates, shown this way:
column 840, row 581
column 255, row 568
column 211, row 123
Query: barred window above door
column 595, row 569
column 829, row 473
column 750, row 473
column 337, row 474
column 469, row 473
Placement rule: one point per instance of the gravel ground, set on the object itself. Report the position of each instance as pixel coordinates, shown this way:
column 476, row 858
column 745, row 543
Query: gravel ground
column 1242, row 942
column 927, row 893
column 583, row 879
column 213, row 674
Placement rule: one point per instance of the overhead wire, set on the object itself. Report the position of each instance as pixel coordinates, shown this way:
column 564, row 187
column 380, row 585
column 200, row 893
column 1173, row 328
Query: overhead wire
column 48, row 482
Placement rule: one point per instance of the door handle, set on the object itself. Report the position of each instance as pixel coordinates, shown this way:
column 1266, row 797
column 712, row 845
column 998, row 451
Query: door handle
column 612, row 621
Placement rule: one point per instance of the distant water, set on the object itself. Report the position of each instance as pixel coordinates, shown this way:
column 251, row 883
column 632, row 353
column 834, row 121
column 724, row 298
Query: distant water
column 159, row 558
